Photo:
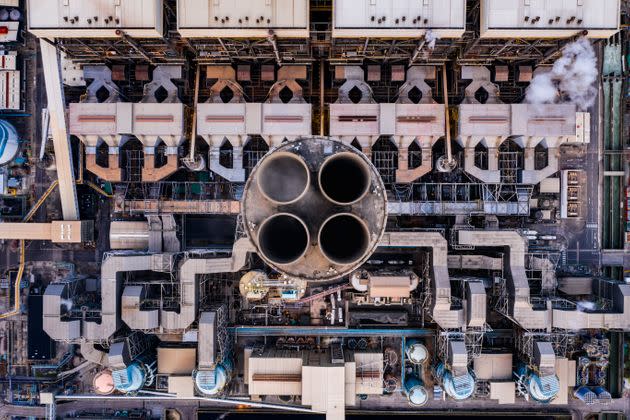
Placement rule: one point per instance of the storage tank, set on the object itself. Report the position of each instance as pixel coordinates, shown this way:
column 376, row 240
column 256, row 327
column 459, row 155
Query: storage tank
column 541, row 388
column 103, row 382
column 457, row 387
column 131, row 378
column 416, row 352
column 213, row 381
column 415, row 391
column 9, row 143
column 314, row 208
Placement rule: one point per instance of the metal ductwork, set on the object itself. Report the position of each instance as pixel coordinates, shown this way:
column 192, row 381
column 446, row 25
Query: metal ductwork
column 124, row 305
column 314, row 208
column 521, row 309
column 442, row 311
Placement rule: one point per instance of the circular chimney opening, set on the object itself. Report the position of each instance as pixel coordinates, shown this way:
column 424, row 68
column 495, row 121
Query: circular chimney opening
column 344, row 238
column 283, row 238
column 283, row 178
column 344, row 178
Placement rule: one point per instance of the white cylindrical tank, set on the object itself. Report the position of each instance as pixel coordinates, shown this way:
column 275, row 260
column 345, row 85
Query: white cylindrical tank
column 129, row 235
column 416, row 352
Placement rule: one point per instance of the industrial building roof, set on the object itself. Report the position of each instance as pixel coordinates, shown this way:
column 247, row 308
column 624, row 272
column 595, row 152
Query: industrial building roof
column 548, row 19
column 504, row 392
column 95, row 19
column 176, row 360
column 493, row 366
column 403, row 18
column 243, row 19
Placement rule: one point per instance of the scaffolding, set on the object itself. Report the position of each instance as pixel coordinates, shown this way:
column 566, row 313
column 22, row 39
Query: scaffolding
column 463, row 198
column 213, row 197
column 134, row 163
column 564, row 343
column 472, row 338
column 540, row 268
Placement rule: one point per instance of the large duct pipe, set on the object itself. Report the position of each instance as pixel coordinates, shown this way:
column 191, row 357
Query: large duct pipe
column 344, row 178
column 283, row 238
column 344, row 238
column 283, row 178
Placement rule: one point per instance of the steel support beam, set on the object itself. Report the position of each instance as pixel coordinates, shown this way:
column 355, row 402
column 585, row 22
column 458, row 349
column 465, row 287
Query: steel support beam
column 61, row 140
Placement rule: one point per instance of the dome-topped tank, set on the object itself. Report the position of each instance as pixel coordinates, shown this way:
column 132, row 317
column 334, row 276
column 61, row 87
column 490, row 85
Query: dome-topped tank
column 457, row 387
column 415, row 391
column 415, row 351
column 213, row 381
column 9, row 143
column 103, row 382
column 541, row 388
column 130, row 379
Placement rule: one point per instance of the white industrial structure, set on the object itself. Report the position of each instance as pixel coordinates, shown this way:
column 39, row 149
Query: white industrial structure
column 549, row 19
column 398, row 19
column 95, row 19
column 243, row 19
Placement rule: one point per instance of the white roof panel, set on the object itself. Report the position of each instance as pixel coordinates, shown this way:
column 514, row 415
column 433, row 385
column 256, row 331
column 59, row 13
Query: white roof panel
column 549, row 18
column 243, row 18
column 95, row 18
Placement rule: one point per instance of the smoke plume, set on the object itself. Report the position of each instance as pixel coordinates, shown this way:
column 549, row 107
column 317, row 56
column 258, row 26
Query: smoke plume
column 586, row 306
column 431, row 38
column 571, row 78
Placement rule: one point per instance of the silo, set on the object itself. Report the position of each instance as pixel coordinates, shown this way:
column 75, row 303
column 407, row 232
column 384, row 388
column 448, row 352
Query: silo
column 415, row 391
column 131, row 378
column 542, row 388
column 415, row 351
column 458, row 387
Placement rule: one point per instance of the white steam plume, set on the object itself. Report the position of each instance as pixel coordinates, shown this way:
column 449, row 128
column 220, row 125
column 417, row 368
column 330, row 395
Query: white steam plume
column 431, row 38
column 586, row 306
column 571, row 78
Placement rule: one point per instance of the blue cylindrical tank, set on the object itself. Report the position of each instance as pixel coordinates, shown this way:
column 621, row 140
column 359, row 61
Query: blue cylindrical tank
column 456, row 387
column 130, row 379
column 543, row 388
column 213, row 381
column 415, row 391
column 415, row 351
column 9, row 143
